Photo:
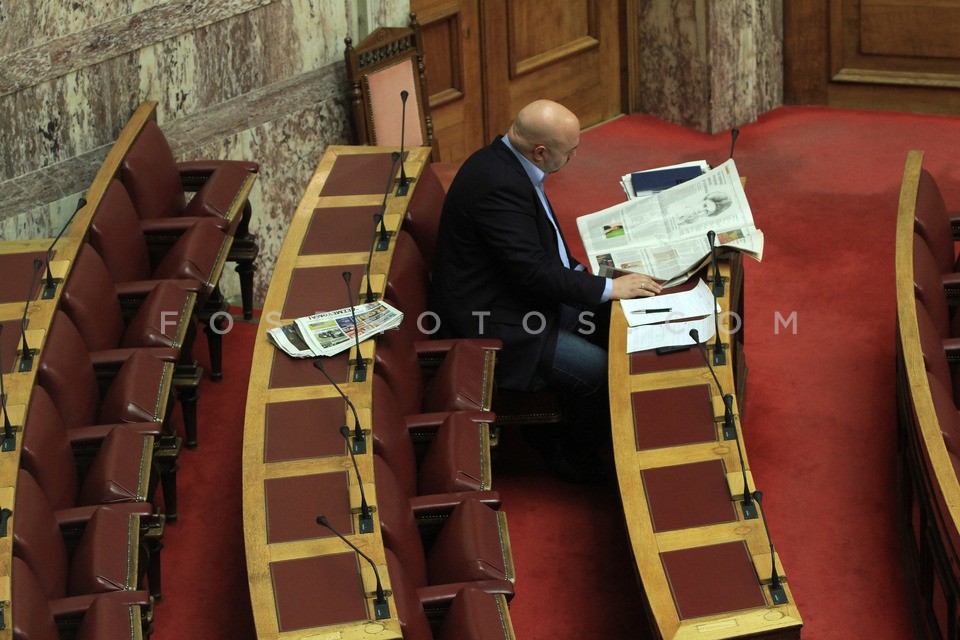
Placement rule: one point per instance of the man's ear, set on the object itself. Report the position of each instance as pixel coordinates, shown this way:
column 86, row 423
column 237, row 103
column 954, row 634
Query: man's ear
column 538, row 152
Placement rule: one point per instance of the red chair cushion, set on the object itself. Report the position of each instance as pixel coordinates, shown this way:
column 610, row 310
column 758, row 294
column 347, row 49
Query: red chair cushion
column 469, row 547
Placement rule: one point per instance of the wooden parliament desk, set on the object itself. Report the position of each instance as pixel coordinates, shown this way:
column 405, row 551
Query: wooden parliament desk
column 304, row 581
column 704, row 568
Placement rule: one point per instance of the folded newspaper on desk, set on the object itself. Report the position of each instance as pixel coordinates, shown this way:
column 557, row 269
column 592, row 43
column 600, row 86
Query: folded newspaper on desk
column 666, row 320
column 665, row 235
column 330, row 332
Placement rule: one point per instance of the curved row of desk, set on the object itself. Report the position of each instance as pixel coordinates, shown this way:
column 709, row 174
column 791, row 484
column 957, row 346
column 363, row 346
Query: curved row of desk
column 680, row 481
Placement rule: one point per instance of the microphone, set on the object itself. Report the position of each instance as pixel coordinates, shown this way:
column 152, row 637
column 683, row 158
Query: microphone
column 26, row 353
column 733, row 140
column 381, row 608
column 360, row 370
column 719, row 351
column 9, row 436
column 383, row 243
column 729, row 431
column 50, row 288
column 717, row 278
column 404, row 184
column 366, row 520
column 359, row 439
column 777, row 592
column 729, row 428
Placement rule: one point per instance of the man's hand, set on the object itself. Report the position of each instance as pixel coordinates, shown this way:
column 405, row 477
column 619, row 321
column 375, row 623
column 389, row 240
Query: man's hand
column 634, row 285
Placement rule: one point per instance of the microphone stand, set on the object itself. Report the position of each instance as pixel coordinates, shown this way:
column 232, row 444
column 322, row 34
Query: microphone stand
column 366, row 519
column 404, row 183
column 383, row 243
column 360, row 370
column 777, row 592
column 381, row 608
column 50, row 288
column 9, row 435
column 359, row 439
column 26, row 353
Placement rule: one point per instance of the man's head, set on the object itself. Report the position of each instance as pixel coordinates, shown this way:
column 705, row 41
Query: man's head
column 546, row 133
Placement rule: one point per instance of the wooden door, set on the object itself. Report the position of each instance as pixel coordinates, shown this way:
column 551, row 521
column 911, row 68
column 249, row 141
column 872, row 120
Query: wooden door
column 451, row 51
column 565, row 51
column 885, row 54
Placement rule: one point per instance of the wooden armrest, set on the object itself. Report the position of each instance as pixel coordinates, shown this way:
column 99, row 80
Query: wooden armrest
column 438, row 597
column 110, row 359
column 433, row 508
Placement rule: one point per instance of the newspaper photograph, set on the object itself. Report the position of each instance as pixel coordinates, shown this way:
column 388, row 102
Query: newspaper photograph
column 330, row 332
column 665, row 235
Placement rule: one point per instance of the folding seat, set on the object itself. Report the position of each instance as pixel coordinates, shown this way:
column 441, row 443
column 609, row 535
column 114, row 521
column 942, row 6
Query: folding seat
column 119, row 471
column 194, row 262
column 163, row 323
column 103, row 618
column 82, row 554
column 472, row 614
column 138, row 398
column 472, row 547
column 157, row 184
column 463, row 380
column 454, row 465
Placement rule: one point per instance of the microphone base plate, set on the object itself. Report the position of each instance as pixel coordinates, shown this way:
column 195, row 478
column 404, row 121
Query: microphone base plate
column 366, row 524
column 359, row 446
column 9, row 443
column 50, row 292
column 778, row 594
column 26, row 361
column 384, row 243
column 359, row 375
column 729, row 433
column 719, row 357
column 749, row 511
column 381, row 610
column 402, row 188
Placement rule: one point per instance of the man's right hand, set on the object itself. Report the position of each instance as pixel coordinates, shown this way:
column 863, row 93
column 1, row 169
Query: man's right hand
column 634, row 285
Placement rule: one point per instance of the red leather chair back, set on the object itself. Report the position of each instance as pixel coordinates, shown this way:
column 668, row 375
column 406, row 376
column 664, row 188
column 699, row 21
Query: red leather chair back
column 46, row 453
column 116, row 235
column 396, row 362
column 408, row 285
column 390, row 438
column 422, row 218
column 90, row 300
column 397, row 523
column 37, row 539
column 413, row 619
column 928, row 286
column 149, row 172
column 947, row 414
column 932, row 222
column 66, row 372
column 931, row 345
column 32, row 617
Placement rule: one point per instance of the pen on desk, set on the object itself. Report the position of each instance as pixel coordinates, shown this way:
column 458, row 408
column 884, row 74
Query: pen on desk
column 667, row 310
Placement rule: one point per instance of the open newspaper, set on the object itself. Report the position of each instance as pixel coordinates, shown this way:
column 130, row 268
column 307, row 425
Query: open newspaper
column 665, row 235
column 330, row 332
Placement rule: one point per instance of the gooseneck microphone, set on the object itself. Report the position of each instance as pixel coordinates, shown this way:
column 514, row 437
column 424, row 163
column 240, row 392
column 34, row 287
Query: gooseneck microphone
column 404, row 183
column 777, row 592
column 729, row 430
column 9, row 436
column 733, row 140
column 50, row 288
column 360, row 370
column 381, row 608
column 383, row 241
column 717, row 278
column 26, row 353
column 359, row 439
column 366, row 519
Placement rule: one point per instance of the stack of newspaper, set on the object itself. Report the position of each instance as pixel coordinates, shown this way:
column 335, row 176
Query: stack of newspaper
column 665, row 235
column 329, row 333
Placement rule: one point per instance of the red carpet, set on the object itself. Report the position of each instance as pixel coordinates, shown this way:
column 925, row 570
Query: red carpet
column 819, row 422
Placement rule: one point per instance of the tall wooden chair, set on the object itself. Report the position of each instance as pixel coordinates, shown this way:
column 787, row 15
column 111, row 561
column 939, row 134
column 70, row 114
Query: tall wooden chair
column 386, row 62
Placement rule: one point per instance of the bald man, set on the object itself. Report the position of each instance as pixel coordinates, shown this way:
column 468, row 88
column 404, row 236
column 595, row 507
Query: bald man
column 503, row 270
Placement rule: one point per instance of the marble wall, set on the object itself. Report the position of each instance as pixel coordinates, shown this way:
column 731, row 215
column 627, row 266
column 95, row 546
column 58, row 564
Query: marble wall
column 710, row 64
column 255, row 79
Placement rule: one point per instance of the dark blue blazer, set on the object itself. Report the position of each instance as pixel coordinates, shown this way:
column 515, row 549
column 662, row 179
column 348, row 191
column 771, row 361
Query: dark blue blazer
column 497, row 256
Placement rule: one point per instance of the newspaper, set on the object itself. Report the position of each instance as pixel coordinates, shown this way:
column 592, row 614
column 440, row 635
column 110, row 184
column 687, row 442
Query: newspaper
column 330, row 332
column 665, row 235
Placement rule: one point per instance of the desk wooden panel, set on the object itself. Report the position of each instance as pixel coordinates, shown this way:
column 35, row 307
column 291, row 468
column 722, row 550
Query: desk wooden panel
column 700, row 562
column 295, row 464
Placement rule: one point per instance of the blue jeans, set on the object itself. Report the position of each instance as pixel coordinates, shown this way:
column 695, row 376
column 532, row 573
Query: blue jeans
column 579, row 375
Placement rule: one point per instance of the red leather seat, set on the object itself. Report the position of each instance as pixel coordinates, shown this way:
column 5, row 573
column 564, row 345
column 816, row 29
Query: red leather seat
column 138, row 397
column 107, row 554
column 162, row 323
column 194, row 261
column 119, row 471
column 104, row 618
column 932, row 223
column 462, row 382
column 422, row 217
column 472, row 547
column 156, row 183
column 473, row 614
column 928, row 287
column 455, row 461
